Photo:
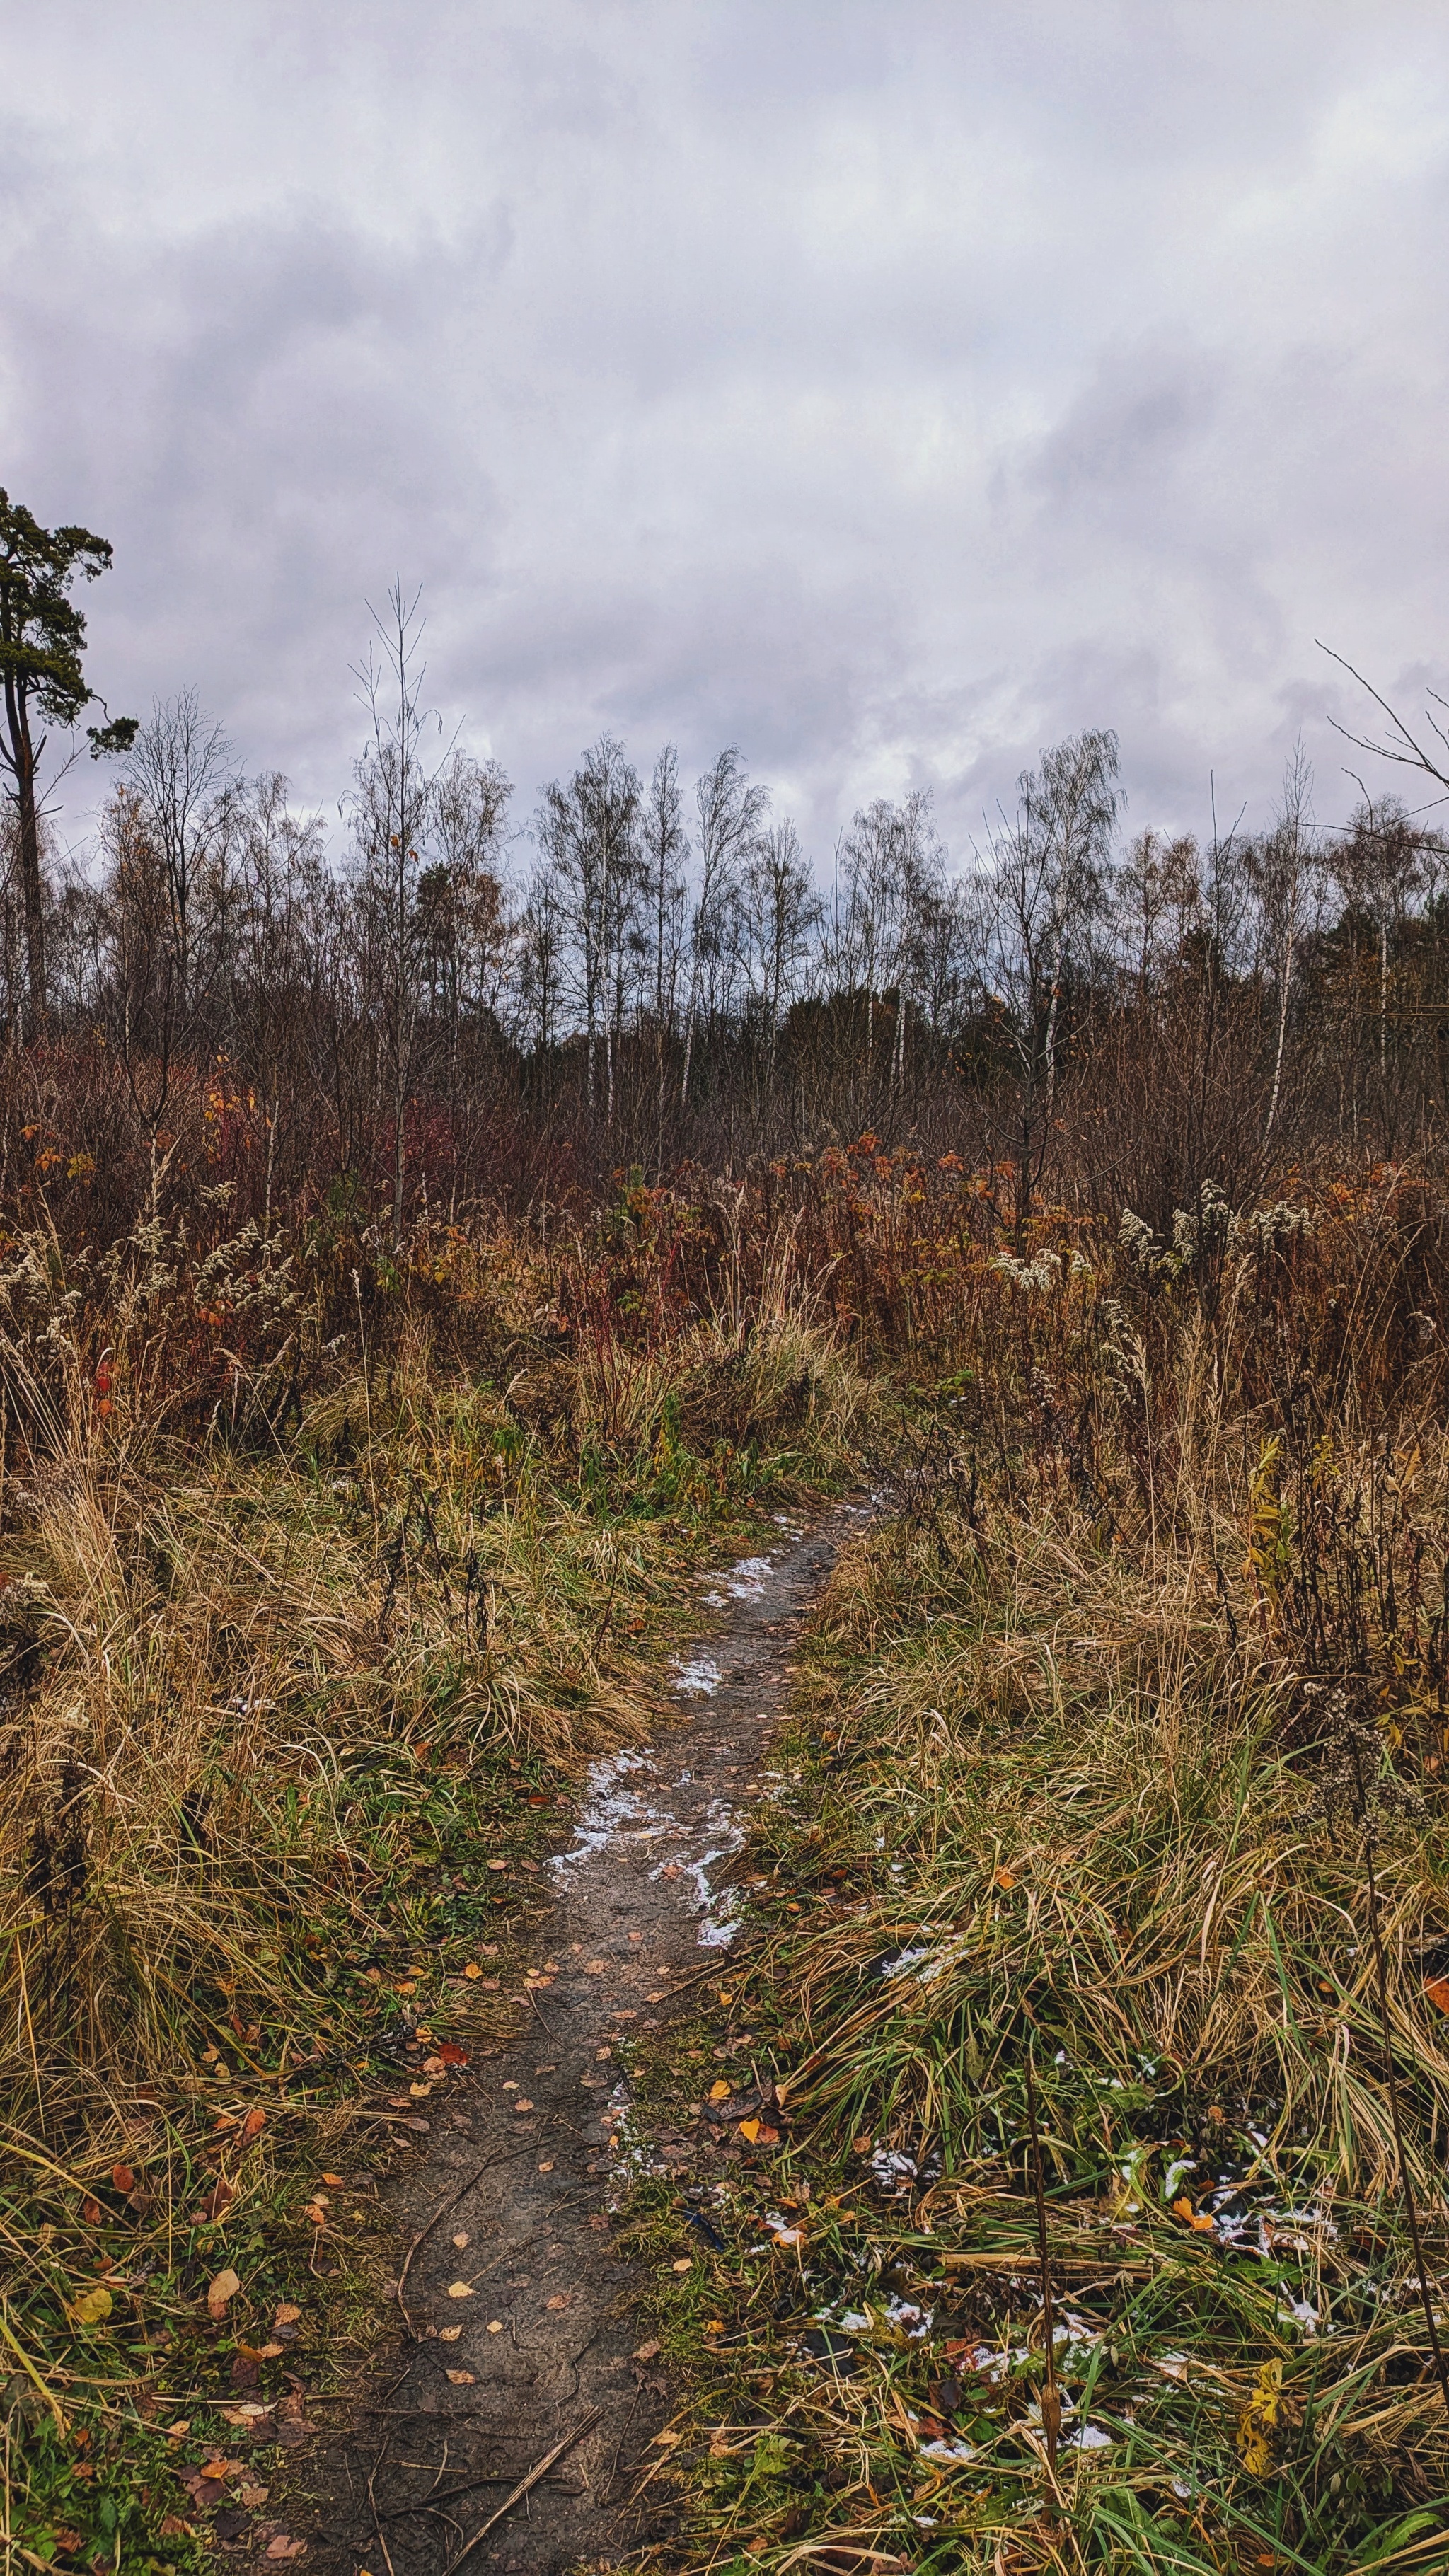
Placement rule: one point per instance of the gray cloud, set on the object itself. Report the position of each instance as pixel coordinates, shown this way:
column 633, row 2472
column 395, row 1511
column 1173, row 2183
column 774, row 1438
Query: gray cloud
column 887, row 390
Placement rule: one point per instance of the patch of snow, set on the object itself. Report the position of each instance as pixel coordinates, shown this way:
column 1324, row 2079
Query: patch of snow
column 699, row 1679
column 892, row 2169
column 746, row 1581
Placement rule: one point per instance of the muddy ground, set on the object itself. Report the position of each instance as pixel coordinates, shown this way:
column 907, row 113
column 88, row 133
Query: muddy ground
column 528, row 2329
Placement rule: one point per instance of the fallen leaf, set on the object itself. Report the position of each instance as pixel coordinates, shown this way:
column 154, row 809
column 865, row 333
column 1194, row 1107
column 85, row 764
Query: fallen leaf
column 647, row 2352
column 1004, row 1877
column 175, row 2431
column 472, row 1969
column 93, row 2307
column 860, row 2146
column 1437, row 1991
column 497, row 1864
column 286, row 2315
column 173, row 2528
column 1258, row 2421
column 461, row 2378
column 683, row 2264
column 260, row 2351
column 334, row 2179
column 545, row 2169
column 253, row 2124
column 419, row 2092
column 316, row 2210
column 522, row 2105
column 219, row 2199
column 449, row 2334
column 283, row 2546
column 596, row 1967
column 666, row 2440
column 495, row 2325
column 461, row 2241
column 460, row 2289
column 122, row 2178
column 719, row 2092
column 562, row 2301
column 1184, row 2210
column 253, row 2495
column 220, row 2291
column 714, row 2325
column 452, row 2055
column 91, row 2211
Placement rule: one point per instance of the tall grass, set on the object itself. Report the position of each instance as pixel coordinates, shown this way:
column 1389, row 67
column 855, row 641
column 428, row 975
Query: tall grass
column 1168, row 1549
column 297, row 1607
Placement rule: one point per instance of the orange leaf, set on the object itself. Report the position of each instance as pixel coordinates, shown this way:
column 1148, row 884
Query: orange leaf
column 1184, row 2210
column 333, row 2179
column 452, row 2055
column 122, row 2178
column 1438, row 1993
column 253, row 2124
column 91, row 2211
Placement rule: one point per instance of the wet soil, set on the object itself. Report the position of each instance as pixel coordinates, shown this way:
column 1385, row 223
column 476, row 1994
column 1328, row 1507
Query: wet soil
column 517, row 2190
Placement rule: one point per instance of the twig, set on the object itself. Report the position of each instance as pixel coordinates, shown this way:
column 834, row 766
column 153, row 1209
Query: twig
column 441, row 2212
column 526, row 2485
column 533, row 1999
column 1051, row 2403
column 377, row 2521
column 608, row 2487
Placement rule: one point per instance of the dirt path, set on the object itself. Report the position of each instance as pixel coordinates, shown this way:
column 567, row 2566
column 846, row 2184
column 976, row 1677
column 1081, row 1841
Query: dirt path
column 548, row 2339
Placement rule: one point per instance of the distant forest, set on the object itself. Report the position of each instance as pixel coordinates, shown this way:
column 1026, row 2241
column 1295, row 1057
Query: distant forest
column 645, row 974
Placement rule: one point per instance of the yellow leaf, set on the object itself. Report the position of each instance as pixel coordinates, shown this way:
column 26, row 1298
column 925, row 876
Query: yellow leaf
column 750, row 2129
column 472, row 1969
column 1258, row 2421
column 93, row 2308
column 460, row 2290
column 719, row 2092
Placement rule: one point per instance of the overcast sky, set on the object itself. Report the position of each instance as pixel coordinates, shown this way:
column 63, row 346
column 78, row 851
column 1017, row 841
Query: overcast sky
column 889, row 388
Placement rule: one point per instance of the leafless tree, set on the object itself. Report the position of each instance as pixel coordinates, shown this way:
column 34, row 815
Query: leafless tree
column 392, row 809
column 178, row 769
column 731, row 816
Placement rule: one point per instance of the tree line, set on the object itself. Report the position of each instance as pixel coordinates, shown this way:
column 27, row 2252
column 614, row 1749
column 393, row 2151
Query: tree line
column 647, row 971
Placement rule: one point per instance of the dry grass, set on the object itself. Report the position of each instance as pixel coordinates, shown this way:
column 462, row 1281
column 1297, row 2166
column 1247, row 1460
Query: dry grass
column 1073, row 1734
column 276, row 1685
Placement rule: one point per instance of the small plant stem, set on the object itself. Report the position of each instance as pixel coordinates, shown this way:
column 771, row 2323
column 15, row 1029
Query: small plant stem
column 1051, row 2413
column 1405, row 2184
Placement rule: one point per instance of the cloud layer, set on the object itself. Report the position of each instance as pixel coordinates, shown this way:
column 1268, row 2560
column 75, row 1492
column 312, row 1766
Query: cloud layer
column 887, row 390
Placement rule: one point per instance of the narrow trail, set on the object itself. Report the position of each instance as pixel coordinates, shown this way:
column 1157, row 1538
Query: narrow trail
column 516, row 2192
